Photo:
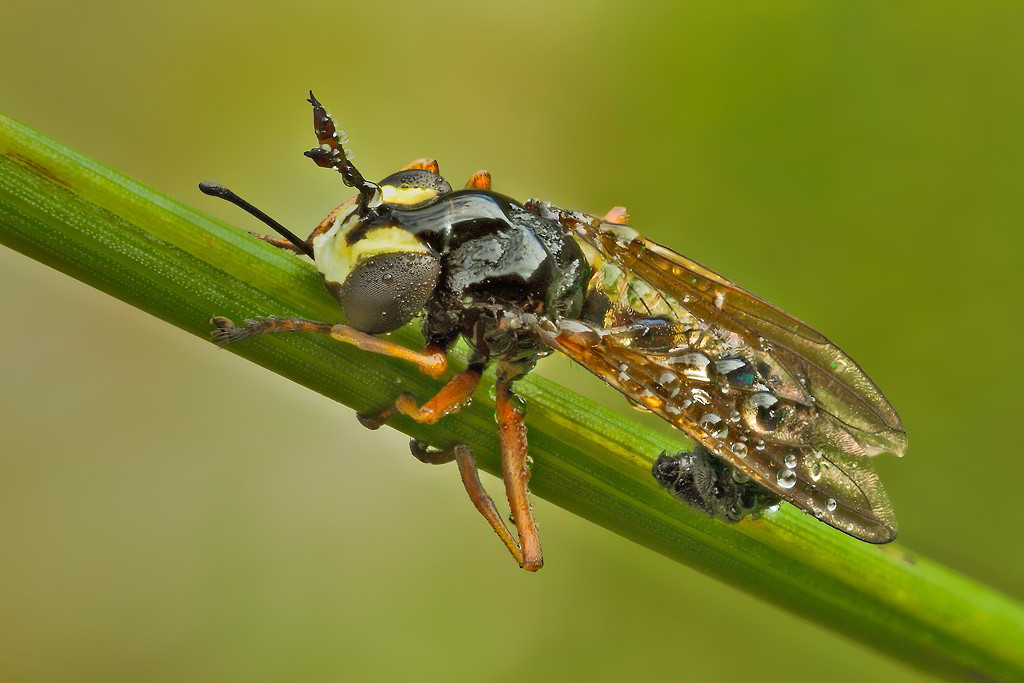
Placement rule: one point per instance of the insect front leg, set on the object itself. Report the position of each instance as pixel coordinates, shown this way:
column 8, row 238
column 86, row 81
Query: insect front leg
column 431, row 361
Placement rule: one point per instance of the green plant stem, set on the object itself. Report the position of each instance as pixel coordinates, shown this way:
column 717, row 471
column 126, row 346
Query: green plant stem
column 111, row 232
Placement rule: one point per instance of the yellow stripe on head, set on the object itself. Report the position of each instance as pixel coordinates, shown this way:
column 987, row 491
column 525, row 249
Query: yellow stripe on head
column 387, row 239
column 407, row 195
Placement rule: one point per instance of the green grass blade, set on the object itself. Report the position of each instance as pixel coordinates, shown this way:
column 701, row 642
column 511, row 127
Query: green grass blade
column 183, row 266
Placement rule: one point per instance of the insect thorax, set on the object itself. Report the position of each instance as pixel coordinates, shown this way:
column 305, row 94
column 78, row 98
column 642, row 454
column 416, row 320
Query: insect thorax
column 498, row 262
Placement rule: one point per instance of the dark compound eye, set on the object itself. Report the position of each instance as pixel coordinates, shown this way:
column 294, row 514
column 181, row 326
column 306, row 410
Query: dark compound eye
column 386, row 291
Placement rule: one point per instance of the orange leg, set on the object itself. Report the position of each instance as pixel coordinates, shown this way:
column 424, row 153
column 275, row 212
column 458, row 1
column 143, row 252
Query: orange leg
column 481, row 180
column 617, row 215
column 431, row 361
column 279, row 242
column 471, row 480
column 423, row 163
column 456, row 394
column 516, row 473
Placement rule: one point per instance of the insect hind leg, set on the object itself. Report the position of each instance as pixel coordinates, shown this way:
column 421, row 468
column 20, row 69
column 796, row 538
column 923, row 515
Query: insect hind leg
column 705, row 482
column 482, row 501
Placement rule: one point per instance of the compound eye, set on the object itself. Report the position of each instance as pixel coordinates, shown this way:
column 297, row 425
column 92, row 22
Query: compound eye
column 413, row 186
column 384, row 292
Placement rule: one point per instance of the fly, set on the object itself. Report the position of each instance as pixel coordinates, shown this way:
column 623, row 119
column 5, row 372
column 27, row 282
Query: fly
column 776, row 409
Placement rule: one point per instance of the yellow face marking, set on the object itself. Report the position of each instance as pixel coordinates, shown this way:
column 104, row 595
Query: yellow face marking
column 385, row 240
column 330, row 249
column 335, row 257
column 406, row 195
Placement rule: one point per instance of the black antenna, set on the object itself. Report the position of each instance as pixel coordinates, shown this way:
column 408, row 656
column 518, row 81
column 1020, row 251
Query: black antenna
column 215, row 190
column 332, row 154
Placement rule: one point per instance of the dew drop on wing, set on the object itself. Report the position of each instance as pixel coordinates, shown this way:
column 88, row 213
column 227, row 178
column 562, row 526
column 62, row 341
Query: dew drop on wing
column 786, row 479
column 709, row 422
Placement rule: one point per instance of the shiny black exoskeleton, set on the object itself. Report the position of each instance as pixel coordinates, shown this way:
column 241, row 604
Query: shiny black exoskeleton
column 498, row 261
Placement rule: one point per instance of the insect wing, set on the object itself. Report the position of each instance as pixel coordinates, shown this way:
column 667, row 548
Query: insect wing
column 754, row 385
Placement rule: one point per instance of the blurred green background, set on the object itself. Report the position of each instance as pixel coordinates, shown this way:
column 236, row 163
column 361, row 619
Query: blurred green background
column 168, row 512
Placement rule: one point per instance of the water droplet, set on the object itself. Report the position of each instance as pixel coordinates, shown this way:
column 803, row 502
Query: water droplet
column 786, row 479
column 759, row 445
column 669, row 382
column 700, row 396
column 761, row 412
column 693, row 366
column 831, row 505
column 739, row 477
column 709, row 422
column 790, row 461
column 579, row 333
column 734, row 416
column 739, row 449
column 813, row 465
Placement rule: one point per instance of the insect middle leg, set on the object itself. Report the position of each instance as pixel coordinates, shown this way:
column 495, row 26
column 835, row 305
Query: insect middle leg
column 431, row 361
column 450, row 399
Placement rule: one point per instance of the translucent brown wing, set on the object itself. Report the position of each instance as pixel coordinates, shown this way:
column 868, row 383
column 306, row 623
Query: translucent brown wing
column 754, row 385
